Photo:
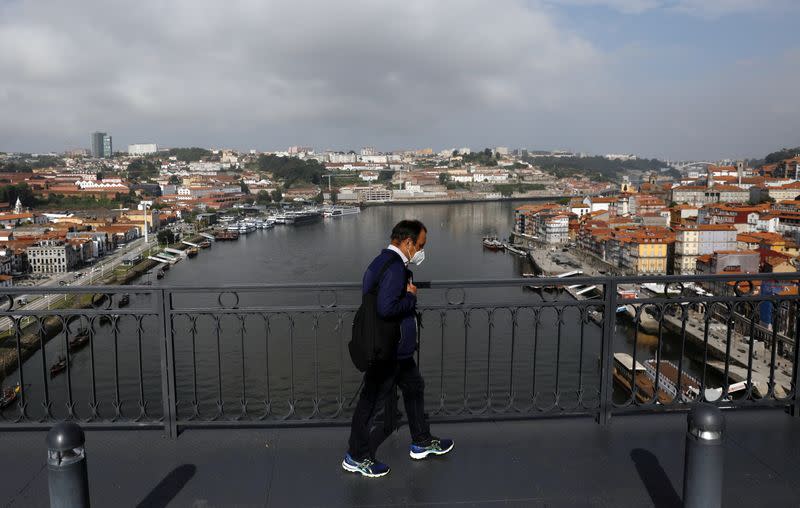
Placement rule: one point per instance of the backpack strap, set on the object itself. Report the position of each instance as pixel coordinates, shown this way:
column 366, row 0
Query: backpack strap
column 383, row 269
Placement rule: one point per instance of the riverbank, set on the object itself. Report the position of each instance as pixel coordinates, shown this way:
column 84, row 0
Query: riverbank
column 462, row 201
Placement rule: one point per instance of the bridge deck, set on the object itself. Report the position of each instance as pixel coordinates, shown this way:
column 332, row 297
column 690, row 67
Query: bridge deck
column 636, row 461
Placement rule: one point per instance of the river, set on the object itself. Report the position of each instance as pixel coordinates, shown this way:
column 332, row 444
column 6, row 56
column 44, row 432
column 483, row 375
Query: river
column 298, row 361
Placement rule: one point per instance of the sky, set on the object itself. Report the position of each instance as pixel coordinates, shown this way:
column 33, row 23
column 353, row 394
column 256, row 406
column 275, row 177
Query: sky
column 674, row 79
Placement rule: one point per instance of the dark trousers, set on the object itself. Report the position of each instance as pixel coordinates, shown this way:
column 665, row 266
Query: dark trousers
column 379, row 393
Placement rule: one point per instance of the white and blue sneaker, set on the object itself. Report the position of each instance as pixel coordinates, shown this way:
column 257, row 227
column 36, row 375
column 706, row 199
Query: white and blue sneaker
column 435, row 447
column 366, row 467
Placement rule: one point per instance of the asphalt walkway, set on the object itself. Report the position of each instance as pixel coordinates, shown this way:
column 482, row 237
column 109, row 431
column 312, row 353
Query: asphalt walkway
column 636, row 461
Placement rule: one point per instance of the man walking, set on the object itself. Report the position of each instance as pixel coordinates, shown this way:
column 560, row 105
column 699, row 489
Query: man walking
column 396, row 304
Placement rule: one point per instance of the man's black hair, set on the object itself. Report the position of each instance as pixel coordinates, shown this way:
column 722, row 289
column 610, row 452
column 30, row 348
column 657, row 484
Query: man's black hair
column 408, row 229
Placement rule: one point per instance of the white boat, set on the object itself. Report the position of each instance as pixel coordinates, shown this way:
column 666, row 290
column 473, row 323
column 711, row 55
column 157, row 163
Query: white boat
column 339, row 211
column 514, row 250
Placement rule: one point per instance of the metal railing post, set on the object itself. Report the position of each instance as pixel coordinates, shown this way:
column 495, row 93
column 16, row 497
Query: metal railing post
column 167, row 349
column 67, row 475
column 794, row 408
column 703, row 463
column 607, row 352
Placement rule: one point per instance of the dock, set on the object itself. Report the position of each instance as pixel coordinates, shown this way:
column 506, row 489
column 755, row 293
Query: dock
column 738, row 358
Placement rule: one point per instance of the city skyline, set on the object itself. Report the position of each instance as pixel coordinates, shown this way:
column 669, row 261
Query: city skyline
column 678, row 79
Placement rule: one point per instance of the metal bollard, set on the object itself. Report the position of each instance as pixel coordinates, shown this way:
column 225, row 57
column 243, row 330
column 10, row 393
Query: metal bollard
column 703, row 466
column 68, row 478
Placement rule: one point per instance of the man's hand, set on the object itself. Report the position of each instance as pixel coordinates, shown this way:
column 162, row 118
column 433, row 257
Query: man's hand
column 411, row 288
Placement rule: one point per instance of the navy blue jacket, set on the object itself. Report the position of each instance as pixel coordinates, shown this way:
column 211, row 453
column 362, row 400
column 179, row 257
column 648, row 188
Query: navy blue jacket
column 393, row 299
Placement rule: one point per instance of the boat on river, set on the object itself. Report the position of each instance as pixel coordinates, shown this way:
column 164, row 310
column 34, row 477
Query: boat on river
column 124, row 300
column 340, row 211
column 663, row 374
column 492, row 243
column 204, row 244
column 80, row 340
column 9, row 395
column 227, row 235
column 192, row 251
column 59, row 366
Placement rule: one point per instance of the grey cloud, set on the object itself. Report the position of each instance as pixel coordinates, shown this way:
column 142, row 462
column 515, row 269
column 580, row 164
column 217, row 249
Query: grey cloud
column 268, row 74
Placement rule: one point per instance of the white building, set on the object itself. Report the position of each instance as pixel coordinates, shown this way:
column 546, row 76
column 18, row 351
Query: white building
column 490, row 175
column 501, row 150
column 142, row 149
column 204, row 167
column 620, row 156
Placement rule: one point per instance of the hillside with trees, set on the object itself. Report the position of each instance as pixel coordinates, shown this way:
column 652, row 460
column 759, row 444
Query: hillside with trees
column 192, row 154
column 782, row 154
column 291, row 169
column 597, row 167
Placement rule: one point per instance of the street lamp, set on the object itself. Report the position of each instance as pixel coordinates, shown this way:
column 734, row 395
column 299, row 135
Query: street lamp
column 143, row 206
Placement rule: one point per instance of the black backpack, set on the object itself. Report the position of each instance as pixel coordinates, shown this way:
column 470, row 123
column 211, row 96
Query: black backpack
column 374, row 339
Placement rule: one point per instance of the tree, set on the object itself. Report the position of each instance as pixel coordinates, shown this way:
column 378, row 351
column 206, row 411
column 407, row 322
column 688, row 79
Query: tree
column 455, row 152
column 443, row 178
column 99, row 176
column 277, row 196
column 291, row 169
column 244, row 187
column 782, row 154
column 263, row 197
column 174, row 180
column 141, row 169
column 193, row 154
column 385, row 176
column 166, row 236
column 487, row 152
column 319, row 198
column 10, row 193
column 334, row 197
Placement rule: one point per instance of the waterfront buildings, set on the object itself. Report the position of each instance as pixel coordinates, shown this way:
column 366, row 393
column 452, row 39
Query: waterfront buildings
column 53, row 256
column 695, row 240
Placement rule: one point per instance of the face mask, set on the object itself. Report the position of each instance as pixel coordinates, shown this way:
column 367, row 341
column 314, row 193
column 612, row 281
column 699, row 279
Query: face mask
column 418, row 258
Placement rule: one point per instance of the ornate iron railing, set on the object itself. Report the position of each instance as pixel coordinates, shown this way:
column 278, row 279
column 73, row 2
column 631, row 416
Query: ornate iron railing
column 275, row 354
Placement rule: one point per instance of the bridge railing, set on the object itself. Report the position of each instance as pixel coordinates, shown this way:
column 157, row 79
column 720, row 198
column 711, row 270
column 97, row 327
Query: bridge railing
column 176, row 357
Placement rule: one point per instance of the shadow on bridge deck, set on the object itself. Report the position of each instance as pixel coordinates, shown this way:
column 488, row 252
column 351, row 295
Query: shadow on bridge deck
column 636, row 461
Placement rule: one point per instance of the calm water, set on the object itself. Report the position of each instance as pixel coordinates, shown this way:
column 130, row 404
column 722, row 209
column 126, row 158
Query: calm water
column 252, row 354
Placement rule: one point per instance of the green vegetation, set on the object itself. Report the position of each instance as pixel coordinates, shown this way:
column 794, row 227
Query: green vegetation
column 15, row 167
column 385, row 176
column 245, row 189
column 761, row 200
column 59, row 200
column 192, row 154
column 263, row 197
column 782, row 154
column 291, row 169
column 597, row 168
column 27, row 164
column 174, row 180
column 484, row 158
column 10, row 193
column 166, row 236
column 277, row 196
column 142, row 169
column 507, row 189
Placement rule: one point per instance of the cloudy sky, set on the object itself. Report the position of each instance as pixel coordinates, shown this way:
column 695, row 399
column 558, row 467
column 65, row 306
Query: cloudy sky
column 680, row 79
